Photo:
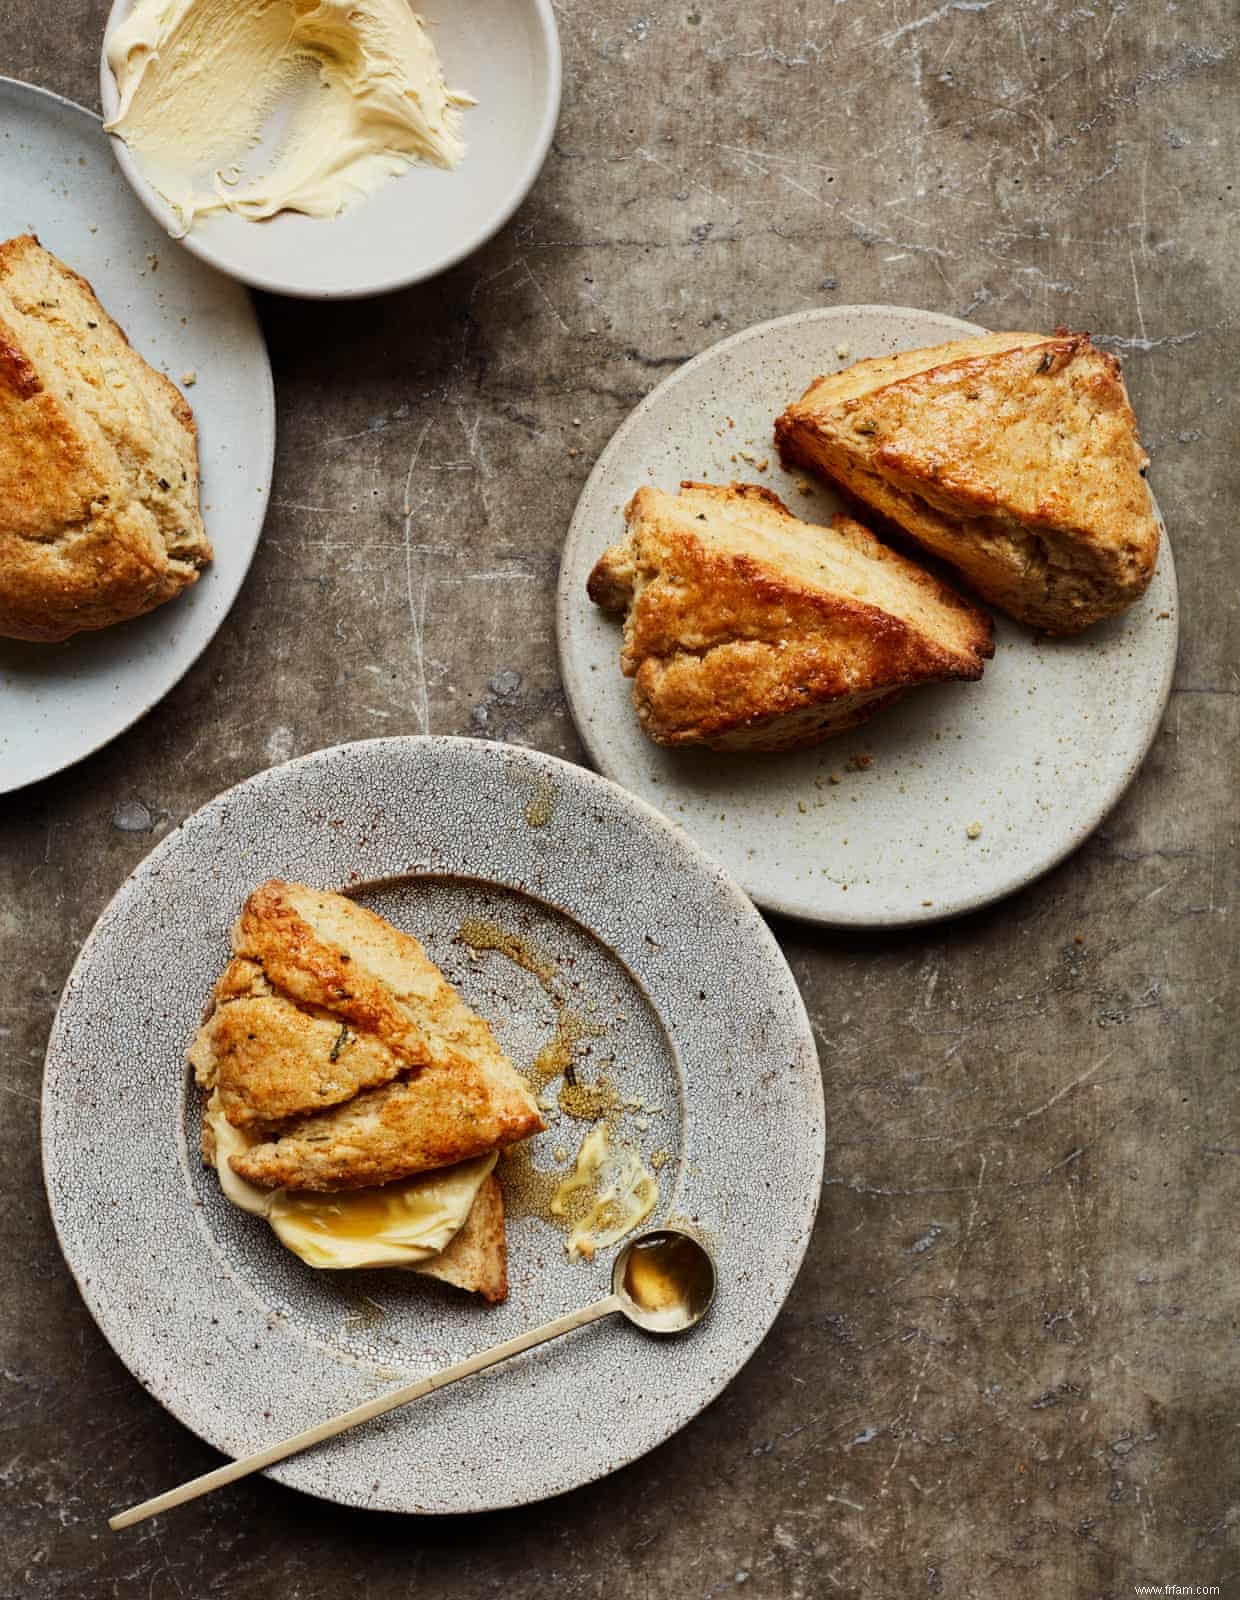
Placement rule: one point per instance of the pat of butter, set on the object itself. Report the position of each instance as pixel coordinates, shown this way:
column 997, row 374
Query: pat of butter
column 279, row 106
column 624, row 1194
column 394, row 1225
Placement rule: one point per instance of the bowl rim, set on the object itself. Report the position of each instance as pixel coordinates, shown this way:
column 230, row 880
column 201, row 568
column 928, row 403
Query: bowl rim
column 549, row 37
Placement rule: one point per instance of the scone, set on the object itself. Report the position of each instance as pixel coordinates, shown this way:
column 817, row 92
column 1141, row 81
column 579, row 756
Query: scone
column 356, row 1101
column 1013, row 456
column 747, row 629
column 99, row 515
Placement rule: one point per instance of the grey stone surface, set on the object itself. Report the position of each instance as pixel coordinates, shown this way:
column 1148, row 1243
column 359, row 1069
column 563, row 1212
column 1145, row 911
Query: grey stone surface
column 1009, row 1367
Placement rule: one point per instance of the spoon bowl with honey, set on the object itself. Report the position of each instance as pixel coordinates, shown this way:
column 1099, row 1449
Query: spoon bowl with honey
column 665, row 1281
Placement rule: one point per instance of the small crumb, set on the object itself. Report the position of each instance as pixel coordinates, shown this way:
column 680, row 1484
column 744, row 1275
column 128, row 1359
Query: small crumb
column 152, row 261
column 189, row 378
column 560, row 1153
column 747, row 455
column 927, row 902
column 731, row 422
column 1163, row 615
column 572, row 452
column 805, row 486
column 860, row 763
column 802, row 807
column 1078, row 938
column 974, row 830
column 832, row 778
column 93, row 227
column 763, row 464
column 842, row 352
column 576, row 422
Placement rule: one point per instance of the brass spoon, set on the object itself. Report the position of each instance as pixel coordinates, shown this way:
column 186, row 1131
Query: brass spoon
column 663, row 1281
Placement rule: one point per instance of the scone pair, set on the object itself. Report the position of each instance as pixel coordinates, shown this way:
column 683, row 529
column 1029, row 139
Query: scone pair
column 344, row 1073
column 1013, row 457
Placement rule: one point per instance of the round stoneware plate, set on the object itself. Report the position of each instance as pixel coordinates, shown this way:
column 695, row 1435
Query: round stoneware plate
column 506, row 53
column 956, row 795
column 58, row 702
column 680, row 996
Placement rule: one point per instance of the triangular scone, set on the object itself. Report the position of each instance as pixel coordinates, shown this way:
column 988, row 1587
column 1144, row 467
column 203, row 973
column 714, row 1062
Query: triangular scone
column 99, row 516
column 326, row 1005
column 476, row 1258
column 1014, row 456
column 749, row 629
column 433, row 1118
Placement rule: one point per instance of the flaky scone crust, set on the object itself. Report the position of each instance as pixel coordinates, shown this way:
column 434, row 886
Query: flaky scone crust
column 336, row 1042
column 728, row 652
column 79, row 549
column 1015, row 457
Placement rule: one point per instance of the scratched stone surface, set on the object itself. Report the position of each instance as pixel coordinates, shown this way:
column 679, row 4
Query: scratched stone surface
column 1009, row 1367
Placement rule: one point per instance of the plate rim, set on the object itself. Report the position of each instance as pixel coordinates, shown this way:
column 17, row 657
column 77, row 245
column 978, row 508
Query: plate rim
column 568, row 604
column 730, row 1366
column 159, row 209
column 267, row 406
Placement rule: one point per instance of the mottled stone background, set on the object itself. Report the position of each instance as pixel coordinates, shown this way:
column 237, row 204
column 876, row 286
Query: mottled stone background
column 1010, row 1365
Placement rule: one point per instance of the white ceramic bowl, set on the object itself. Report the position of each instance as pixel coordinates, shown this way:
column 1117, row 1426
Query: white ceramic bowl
column 506, row 53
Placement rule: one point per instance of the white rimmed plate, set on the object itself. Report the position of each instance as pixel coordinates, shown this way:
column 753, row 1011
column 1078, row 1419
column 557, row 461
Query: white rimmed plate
column 59, row 702
column 958, row 794
column 506, row 53
column 698, row 1019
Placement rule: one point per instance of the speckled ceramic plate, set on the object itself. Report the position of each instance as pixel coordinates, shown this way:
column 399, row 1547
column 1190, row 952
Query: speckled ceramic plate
column 956, row 795
column 59, row 702
column 689, row 1008
column 506, row 53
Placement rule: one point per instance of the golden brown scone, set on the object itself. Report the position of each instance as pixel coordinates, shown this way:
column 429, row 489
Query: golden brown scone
column 437, row 1116
column 99, row 515
column 477, row 1257
column 333, row 1036
column 747, row 629
column 324, row 998
column 1014, row 456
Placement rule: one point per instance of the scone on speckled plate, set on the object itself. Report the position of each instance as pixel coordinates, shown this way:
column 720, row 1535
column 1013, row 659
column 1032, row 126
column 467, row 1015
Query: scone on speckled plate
column 747, row 629
column 99, row 516
column 1013, row 456
column 356, row 1101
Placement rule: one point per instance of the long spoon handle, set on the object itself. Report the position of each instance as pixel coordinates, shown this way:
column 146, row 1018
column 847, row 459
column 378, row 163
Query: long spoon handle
column 363, row 1413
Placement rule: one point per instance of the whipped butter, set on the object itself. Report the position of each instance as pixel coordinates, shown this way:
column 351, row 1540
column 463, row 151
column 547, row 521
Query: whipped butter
column 608, row 1192
column 396, row 1225
column 261, row 106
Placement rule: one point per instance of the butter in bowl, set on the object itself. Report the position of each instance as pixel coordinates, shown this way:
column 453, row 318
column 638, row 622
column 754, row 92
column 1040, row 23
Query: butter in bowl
column 330, row 149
